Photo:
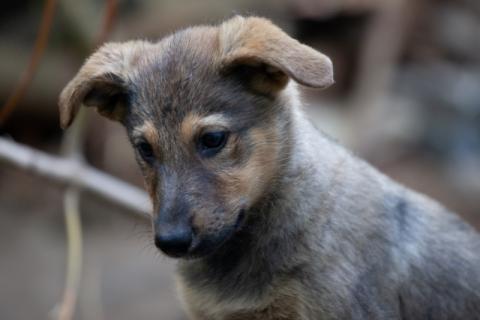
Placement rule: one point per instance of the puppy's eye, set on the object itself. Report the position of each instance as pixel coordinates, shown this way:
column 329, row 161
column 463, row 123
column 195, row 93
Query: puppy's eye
column 212, row 142
column 145, row 150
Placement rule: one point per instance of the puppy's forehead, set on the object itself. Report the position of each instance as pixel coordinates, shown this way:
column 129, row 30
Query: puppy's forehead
column 178, row 79
column 177, row 74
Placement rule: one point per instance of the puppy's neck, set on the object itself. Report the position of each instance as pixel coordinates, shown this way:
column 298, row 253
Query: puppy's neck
column 301, row 194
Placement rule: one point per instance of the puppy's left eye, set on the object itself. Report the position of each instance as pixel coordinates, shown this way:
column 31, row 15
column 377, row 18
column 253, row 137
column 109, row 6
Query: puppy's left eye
column 145, row 150
column 212, row 142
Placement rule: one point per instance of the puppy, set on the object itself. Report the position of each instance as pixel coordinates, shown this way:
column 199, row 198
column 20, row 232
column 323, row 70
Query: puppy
column 272, row 219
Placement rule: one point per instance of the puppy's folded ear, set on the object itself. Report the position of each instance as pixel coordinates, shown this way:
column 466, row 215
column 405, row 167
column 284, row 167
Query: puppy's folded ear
column 255, row 44
column 101, row 83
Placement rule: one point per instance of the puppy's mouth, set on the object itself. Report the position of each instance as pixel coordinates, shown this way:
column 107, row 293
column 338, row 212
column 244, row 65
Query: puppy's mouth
column 205, row 245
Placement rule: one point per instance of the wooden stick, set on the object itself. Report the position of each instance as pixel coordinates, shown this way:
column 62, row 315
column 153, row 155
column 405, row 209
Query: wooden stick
column 71, row 172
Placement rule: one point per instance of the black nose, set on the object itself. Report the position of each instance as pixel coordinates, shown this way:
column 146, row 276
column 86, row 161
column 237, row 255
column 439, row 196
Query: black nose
column 175, row 243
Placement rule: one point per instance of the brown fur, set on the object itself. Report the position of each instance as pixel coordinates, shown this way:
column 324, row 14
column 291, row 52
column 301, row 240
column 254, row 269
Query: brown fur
column 251, row 179
column 283, row 222
column 282, row 308
column 189, row 127
column 256, row 40
column 148, row 132
column 112, row 59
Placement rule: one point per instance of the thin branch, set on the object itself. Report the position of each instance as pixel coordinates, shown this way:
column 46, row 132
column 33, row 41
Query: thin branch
column 74, row 260
column 39, row 47
column 72, row 146
column 108, row 20
column 71, row 172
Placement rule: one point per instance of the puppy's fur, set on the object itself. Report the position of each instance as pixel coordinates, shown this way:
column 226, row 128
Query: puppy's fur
column 286, row 224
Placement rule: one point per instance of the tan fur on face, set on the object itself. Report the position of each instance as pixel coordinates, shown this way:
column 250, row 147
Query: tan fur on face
column 249, row 182
column 192, row 124
column 237, row 187
column 188, row 127
column 148, row 132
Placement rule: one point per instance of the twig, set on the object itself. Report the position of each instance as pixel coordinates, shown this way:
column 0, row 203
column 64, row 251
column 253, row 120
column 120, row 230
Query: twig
column 108, row 20
column 72, row 143
column 39, row 47
column 70, row 172
column 74, row 260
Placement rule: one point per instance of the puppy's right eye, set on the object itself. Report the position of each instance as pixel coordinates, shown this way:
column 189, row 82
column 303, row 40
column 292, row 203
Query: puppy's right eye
column 146, row 152
column 211, row 143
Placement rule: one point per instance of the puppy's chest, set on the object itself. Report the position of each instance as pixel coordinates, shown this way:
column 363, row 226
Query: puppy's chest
column 277, row 301
column 250, row 297
column 281, row 307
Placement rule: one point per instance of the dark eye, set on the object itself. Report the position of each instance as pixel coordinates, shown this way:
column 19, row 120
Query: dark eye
column 145, row 150
column 212, row 142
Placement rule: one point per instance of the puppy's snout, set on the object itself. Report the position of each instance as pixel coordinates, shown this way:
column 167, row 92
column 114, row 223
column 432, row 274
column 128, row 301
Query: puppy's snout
column 175, row 241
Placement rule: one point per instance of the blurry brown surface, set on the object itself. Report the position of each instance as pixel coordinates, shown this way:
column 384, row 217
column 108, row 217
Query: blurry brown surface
column 406, row 98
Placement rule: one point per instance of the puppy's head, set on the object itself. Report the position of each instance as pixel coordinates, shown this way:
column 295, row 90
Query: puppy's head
column 204, row 112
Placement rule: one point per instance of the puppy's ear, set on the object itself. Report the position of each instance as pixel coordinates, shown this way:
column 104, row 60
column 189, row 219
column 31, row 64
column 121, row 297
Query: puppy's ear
column 101, row 83
column 256, row 44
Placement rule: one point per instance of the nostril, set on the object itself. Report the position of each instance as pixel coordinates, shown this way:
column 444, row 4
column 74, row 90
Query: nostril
column 175, row 243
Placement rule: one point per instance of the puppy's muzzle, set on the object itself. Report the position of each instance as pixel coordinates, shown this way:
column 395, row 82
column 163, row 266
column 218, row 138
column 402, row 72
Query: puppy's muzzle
column 183, row 240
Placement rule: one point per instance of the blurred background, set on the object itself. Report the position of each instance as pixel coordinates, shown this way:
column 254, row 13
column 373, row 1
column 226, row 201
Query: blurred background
column 406, row 98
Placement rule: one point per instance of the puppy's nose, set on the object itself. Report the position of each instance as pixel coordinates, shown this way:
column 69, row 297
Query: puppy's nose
column 175, row 242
